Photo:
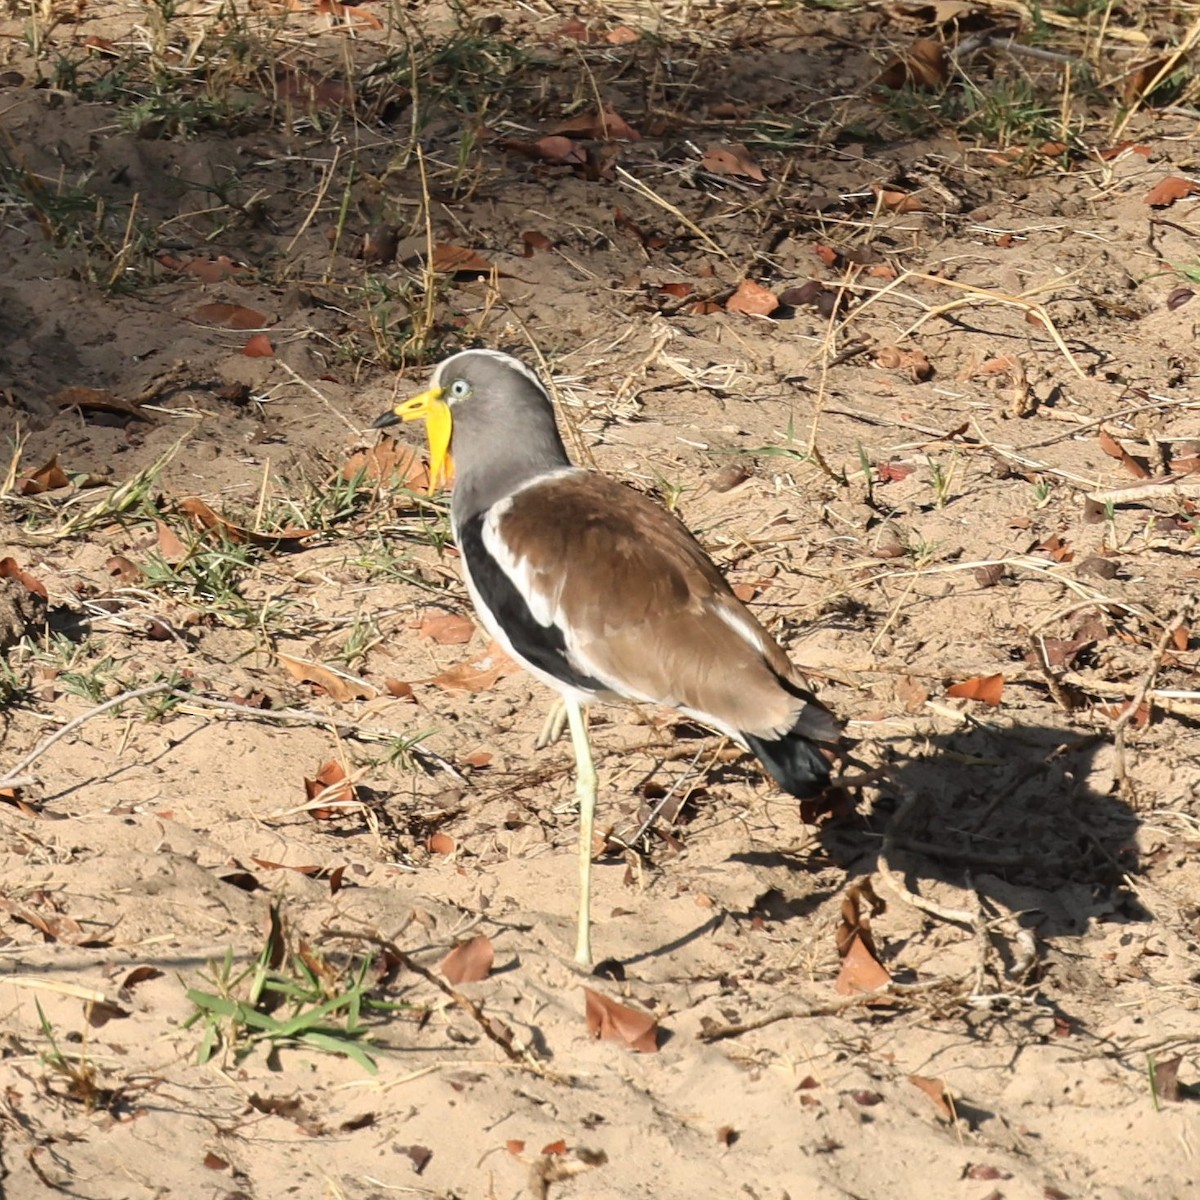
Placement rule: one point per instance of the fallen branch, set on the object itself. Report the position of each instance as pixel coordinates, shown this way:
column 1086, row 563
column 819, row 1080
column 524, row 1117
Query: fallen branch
column 495, row 1031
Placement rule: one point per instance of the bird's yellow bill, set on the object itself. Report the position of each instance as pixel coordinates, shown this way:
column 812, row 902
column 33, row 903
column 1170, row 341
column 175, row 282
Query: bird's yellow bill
column 439, row 424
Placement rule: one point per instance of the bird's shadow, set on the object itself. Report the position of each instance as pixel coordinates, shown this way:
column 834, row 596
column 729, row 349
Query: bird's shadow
column 1028, row 816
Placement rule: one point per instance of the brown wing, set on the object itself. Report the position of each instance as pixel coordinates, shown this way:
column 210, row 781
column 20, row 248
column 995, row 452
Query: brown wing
column 642, row 608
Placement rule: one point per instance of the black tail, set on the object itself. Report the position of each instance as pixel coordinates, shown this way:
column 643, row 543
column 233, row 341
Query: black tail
column 796, row 760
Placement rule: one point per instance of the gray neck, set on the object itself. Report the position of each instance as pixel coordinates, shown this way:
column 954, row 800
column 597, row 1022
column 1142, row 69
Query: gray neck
column 490, row 463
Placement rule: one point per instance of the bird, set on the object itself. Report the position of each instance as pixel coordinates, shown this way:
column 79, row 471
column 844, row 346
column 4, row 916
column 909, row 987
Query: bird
column 599, row 591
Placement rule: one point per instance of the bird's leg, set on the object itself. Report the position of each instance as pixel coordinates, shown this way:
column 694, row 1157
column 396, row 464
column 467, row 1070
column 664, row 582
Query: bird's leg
column 585, row 792
column 555, row 723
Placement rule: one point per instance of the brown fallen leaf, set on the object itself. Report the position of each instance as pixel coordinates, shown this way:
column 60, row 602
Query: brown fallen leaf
column 449, row 259
column 557, row 148
column 894, row 200
column 339, row 688
column 228, row 316
column 985, row 688
column 621, row 35
column 935, row 1089
column 925, row 65
column 47, row 478
column 532, row 240
column 1164, row 193
column 732, row 158
column 602, row 124
column 307, row 88
column 170, row 548
column 618, row 1023
column 258, row 345
column 398, row 689
column 1138, row 467
column 391, row 463
column 10, row 570
column 861, row 969
column 123, row 569
column 333, row 787
column 348, row 14
column 206, row 520
column 911, row 694
column 469, row 961
column 441, row 843
column 447, row 629
column 752, row 299
column 207, row 270
column 479, row 674
column 1166, row 1079
column 88, row 399
column 911, row 362
column 1140, row 79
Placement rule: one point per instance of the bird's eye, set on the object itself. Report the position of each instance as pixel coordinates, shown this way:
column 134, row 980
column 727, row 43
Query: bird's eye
column 460, row 389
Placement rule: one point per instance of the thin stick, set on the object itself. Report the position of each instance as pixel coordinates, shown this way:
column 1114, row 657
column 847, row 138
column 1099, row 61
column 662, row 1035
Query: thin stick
column 1143, row 689
column 831, row 1008
column 494, row 1031
column 1167, row 489
column 152, row 689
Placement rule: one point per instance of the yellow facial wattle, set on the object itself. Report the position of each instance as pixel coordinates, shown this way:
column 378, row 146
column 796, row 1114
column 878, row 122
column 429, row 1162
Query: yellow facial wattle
column 439, row 426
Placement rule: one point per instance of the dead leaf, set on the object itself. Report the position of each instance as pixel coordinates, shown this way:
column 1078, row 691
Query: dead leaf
column 515, row 1146
column 389, row 462
column 333, row 787
column 1164, row 193
column 1166, row 1079
column 911, row 694
column 469, row 961
column 925, row 65
column 890, row 472
column 442, row 843
column 10, row 570
column 172, row 550
column 97, row 400
column 458, row 260
column 228, row 316
column 307, row 88
column 339, row 688
column 912, row 362
column 732, row 158
column 419, row 1156
column 616, row 1022
column 555, row 1148
column 47, row 478
column 478, row 759
column 531, row 240
column 861, row 969
column 601, row 124
column 123, row 569
column 985, row 688
column 478, row 674
column 214, row 1162
column 894, row 200
column 206, row 520
column 752, row 299
column 348, row 14
column 556, row 148
column 1138, row 467
column 1139, row 80
column 207, row 270
column 1055, row 547
column 935, row 1089
column 139, row 975
column 447, row 629
column 399, row 689
column 258, row 345
column 621, row 35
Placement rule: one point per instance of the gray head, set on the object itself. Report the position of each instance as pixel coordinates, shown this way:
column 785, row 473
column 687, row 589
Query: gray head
column 492, row 415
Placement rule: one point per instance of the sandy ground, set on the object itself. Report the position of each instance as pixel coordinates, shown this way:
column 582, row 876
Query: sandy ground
column 894, row 467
